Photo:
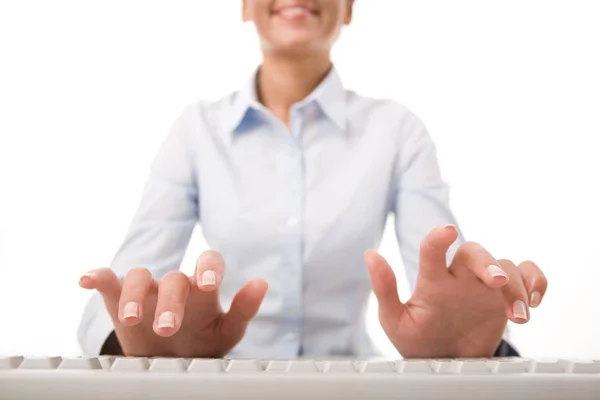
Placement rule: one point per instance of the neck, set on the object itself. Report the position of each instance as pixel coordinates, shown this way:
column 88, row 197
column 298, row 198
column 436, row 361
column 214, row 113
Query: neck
column 283, row 82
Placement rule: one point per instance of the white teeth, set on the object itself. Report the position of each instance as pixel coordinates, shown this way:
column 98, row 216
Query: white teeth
column 291, row 12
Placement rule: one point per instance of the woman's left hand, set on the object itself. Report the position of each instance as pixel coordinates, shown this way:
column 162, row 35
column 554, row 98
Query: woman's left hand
column 456, row 311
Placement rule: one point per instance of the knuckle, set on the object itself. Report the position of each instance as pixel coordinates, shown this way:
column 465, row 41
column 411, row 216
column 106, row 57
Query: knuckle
column 473, row 254
column 529, row 266
column 174, row 276
column 431, row 243
column 104, row 274
column 425, row 244
column 542, row 282
column 138, row 273
column 507, row 264
column 210, row 259
column 470, row 245
column 172, row 299
column 531, row 271
column 174, row 283
column 530, row 263
column 469, row 250
column 211, row 253
column 172, row 296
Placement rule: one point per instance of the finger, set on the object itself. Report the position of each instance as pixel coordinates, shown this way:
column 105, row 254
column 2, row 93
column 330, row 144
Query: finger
column 244, row 306
column 434, row 248
column 475, row 258
column 136, row 286
column 535, row 282
column 210, row 268
column 383, row 281
column 107, row 284
column 515, row 295
column 173, row 291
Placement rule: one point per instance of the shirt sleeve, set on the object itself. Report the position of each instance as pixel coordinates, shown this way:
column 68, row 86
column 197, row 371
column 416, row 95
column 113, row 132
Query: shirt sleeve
column 421, row 198
column 161, row 228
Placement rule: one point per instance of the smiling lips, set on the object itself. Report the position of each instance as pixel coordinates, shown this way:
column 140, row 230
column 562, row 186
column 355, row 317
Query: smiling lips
column 295, row 12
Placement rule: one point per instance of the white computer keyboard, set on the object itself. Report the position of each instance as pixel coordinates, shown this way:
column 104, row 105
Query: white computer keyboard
column 118, row 378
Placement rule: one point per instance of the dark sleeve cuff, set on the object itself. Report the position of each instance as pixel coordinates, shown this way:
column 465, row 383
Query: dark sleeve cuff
column 112, row 346
column 506, row 350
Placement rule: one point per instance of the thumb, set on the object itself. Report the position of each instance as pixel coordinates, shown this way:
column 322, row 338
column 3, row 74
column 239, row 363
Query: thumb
column 108, row 285
column 383, row 281
column 244, row 307
column 434, row 248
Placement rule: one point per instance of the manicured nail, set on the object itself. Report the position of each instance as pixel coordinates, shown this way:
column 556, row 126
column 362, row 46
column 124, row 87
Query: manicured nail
column 209, row 278
column 166, row 320
column 496, row 271
column 131, row 310
column 449, row 226
column 535, row 299
column 520, row 310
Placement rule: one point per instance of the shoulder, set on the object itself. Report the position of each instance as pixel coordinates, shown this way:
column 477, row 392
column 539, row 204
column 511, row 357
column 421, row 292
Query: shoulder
column 208, row 111
column 383, row 115
column 208, row 118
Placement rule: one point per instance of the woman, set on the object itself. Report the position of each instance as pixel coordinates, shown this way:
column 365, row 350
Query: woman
column 292, row 179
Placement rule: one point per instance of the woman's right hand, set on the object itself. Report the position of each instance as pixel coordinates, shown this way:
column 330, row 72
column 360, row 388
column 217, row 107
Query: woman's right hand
column 178, row 315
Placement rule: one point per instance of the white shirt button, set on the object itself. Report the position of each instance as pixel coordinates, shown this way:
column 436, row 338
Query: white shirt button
column 292, row 221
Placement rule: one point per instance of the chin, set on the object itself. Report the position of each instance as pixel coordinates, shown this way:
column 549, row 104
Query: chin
column 298, row 44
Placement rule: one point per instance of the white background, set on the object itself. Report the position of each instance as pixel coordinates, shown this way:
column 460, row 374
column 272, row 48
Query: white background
column 508, row 89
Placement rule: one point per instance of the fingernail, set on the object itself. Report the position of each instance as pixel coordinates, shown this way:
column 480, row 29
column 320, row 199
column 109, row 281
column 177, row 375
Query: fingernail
column 520, row 310
column 130, row 310
column 449, row 226
column 208, row 278
column 86, row 276
column 166, row 320
column 535, row 299
column 496, row 271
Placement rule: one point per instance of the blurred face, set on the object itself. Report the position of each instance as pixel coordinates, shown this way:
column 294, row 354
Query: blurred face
column 297, row 26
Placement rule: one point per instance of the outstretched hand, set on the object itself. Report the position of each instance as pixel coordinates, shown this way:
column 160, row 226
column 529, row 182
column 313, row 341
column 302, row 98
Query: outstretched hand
column 456, row 311
column 178, row 315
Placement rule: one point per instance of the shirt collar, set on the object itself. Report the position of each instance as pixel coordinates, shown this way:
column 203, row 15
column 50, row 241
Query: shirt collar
column 329, row 95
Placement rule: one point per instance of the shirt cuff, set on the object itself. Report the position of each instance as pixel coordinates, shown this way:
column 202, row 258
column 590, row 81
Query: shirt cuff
column 506, row 350
column 96, row 325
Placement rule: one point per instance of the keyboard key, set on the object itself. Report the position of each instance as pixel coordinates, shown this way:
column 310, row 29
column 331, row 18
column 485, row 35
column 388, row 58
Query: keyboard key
column 475, row 367
column 548, row 367
column 10, row 362
column 40, row 363
column 414, row 367
column 446, row 366
column 278, row 366
column 581, row 366
column 512, row 366
column 339, row 367
column 378, row 367
column 244, row 366
column 206, row 366
column 168, row 365
column 130, row 364
column 106, row 361
column 294, row 367
column 80, row 363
